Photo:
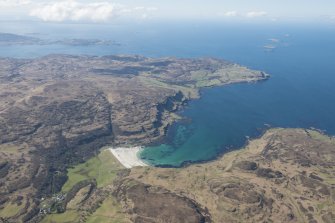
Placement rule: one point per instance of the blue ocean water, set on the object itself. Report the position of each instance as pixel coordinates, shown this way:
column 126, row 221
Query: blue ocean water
column 300, row 92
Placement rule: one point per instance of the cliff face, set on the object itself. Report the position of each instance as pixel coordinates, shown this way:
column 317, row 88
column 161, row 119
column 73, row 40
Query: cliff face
column 152, row 124
column 58, row 110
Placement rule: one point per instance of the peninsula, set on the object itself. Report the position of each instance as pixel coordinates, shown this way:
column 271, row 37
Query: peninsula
column 57, row 111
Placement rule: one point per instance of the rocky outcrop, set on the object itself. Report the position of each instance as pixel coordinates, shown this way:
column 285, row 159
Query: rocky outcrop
column 150, row 204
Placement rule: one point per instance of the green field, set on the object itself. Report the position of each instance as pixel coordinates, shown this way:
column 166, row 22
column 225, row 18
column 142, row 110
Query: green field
column 9, row 210
column 108, row 212
column 67, row 217
column 102, row 167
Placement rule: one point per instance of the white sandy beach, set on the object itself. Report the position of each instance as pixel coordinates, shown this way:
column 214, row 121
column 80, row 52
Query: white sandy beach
column 128, row 156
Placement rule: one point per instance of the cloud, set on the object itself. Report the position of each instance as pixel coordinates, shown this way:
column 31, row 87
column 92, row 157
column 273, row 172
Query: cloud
column 73, row 10
column 248, row 14
column 14, row 3
column 76, row 11
column 231, row 14
column 254, row 14
column 141, row 12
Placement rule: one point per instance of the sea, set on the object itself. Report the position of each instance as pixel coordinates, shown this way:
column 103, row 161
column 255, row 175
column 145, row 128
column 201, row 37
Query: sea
column 299, row 94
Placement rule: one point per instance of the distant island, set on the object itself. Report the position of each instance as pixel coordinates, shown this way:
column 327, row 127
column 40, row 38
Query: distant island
column 14, row 39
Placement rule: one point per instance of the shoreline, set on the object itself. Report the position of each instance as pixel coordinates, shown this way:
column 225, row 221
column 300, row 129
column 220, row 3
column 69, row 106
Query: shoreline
column 128, row 156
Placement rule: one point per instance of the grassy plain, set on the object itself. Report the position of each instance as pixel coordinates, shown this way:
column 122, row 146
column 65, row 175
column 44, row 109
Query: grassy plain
column 102, row 167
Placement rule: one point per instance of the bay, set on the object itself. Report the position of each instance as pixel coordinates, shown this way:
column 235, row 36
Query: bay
column 300, row 92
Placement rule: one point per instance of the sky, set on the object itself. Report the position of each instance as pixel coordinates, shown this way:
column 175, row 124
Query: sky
column 104, row 11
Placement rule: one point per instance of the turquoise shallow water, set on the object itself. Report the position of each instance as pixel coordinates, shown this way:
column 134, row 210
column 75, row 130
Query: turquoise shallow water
column 300, row 92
